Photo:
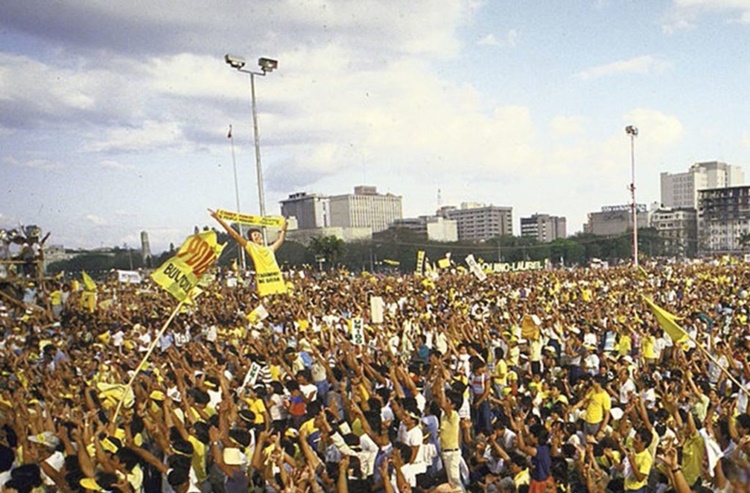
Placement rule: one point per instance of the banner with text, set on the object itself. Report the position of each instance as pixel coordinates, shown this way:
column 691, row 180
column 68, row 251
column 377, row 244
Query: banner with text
column 248, row 220
column 181, row 273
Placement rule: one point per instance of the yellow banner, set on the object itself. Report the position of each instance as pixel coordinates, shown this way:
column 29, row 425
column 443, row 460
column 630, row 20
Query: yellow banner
column 248, row 220
column 181, row 273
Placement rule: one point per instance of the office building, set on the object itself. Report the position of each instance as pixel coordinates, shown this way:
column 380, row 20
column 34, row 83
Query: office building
column 678, row 230
column 680, row 190
column 723, row 217
column 615, row 220
column 479, row 222
column 365, row 208
column 543, row 227
column 433, row 228
column 310, row 209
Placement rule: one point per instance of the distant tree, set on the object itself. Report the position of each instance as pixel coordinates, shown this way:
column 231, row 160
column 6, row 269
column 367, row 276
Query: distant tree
column 329, row 248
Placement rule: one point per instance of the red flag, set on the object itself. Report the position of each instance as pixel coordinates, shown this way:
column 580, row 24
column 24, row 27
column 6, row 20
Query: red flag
column 229, row 135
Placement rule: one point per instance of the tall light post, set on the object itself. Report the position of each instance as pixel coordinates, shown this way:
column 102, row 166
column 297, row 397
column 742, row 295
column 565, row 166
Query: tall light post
column 266, row 65
column 237, row 195
column 633, row 132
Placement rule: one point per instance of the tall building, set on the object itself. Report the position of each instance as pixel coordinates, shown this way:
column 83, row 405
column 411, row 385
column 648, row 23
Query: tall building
column 678, row 230
column 433, row 228
column 543, row 227
column 311, row 210
column 680, row 190
column 477, row 222
column 616, row 219
column 723, row 217
column 364, row 208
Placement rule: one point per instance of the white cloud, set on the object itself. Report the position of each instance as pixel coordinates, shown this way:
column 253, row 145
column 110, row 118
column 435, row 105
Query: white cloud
column 685, row 14
column 489, row 40
column 647, row 64
column 115, row 165
column 96, row 220
column 42, row 164
column 510, row 39
column 151, row 135
column 565, row 126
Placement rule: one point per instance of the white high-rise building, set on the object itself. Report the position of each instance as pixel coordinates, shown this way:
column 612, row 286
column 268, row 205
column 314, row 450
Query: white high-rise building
column 680, row 190
column 478, row 222
column 365, row 208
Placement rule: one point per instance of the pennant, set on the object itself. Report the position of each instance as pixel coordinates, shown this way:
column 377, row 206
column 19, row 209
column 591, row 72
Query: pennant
column 668, row 322
column 88, row 283
column 181, row 273
column 248, row 220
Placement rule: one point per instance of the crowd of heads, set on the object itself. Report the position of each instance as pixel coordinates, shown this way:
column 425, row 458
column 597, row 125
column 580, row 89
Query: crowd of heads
column 559, row 380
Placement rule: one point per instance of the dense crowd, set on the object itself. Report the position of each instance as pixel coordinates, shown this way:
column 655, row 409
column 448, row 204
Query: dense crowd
column 558, row 380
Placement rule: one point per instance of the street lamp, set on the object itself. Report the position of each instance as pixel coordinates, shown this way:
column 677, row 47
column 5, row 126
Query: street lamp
column 633, row 132
column 266, row 65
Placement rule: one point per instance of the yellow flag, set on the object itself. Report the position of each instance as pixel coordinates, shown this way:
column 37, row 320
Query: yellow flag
column 394, row 263
column 420, row 263
column 181, row 273
column 529, row 328
column 668, row 322
column 444, row 263
column 88, row 283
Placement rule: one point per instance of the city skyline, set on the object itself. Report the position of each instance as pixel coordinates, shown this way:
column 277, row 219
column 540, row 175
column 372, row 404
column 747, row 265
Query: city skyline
column 114, row 117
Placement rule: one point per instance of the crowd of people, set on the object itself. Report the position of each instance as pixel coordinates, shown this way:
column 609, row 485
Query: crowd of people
column 543, row 381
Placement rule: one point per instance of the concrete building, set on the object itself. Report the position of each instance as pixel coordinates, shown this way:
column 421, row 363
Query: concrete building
column 311, row 210
column 615, row 220
column 543, row 227
column 478, row 222
column 723, row 217
column 680, row 190
column 365, row 208
column 433, row 228
column 678, row 229
column 145, row 247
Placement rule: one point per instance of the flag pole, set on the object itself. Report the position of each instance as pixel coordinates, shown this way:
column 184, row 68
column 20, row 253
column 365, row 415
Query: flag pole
column 715, row 361
column 129, row 387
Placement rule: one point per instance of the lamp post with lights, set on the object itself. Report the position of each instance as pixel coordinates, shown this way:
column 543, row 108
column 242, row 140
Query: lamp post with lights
column 633, row 132
column 266, row 65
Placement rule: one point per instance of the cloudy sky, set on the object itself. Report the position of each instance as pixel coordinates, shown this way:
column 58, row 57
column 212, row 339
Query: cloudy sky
column 114, row 115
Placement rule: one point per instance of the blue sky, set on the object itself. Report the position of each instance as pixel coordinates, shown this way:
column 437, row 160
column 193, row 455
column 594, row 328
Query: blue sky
column 113, row 116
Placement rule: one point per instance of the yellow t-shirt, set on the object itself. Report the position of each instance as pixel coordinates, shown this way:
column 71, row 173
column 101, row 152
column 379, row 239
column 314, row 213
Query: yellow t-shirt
column 198, row 460
column 258, row 408
column 643, row 462
column 501, row 373
column 268, row 277
column 647, row 345
column 693, row 451
column 599, row 403
column 625, row 345
column 449, row 431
